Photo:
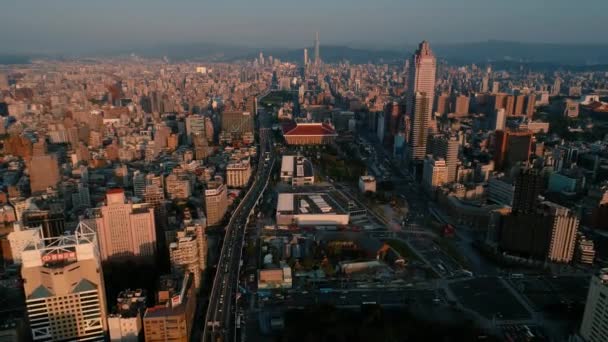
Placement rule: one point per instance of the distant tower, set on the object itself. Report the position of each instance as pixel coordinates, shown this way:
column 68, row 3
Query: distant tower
column 305, row 57
column 317, row 57
column 261, row 58
column 420, row 95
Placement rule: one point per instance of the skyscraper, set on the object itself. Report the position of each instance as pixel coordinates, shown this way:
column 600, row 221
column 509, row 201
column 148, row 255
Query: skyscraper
column 305, row 57
column 419, row 124
column 64, row 289
column 593, row 326
column 419, row 102
column 317, row 52
column 422, row 77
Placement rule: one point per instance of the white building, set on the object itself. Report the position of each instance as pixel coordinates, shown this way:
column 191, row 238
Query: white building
column 64, row 288
column 20, row 237
column 594, row 327
column 310, row 209
column 296, row 170
column 367, row 183
column 238, row 173
column 125, row 229
column 435, row 173
column 188, row 252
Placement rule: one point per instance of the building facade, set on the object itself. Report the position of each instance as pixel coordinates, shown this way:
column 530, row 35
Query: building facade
column 238, row 173
column 172, row 318
column 188, row 252
column 216, row 202
column 594, row 327
column 297, row 170
column 125, row 230
column 64, row 288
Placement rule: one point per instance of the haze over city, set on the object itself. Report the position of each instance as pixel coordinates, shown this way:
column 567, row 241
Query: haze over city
column 72, row 26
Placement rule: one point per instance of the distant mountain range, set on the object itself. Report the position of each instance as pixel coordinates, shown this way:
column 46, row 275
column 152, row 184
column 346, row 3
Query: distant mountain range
column 457, row 53
column 495, row 52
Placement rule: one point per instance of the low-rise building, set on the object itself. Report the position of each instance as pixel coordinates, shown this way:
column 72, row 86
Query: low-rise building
column 367, row 184
column 172, row 318
column 310, row 209
column 125, row 323
column 297, row 170
column 275, row 278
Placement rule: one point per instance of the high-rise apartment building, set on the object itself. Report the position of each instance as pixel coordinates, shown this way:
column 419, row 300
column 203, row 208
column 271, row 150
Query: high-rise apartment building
column 498, row 120
column 563, row 232
column 512, row 147
column 435, row 173
column 460, row 105
column 594, row 327
column 546, row 233
column 188, row 252
column 529, row 184
column 64, row 289
column 447, row 147
column 44, row 172
column 125, row 229
column 442, row 104
column 195, row 124
column 216, row 202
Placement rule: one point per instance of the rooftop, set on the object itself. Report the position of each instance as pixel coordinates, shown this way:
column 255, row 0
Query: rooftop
column 315, row 128
column 308, row 203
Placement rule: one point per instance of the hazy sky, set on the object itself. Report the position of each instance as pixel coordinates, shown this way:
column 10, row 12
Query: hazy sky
column 84, row 25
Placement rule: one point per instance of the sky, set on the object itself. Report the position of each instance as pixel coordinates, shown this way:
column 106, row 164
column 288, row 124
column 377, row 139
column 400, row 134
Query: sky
column 96, row 25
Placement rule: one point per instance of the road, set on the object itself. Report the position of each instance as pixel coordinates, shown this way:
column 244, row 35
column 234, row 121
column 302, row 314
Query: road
column 219, row 320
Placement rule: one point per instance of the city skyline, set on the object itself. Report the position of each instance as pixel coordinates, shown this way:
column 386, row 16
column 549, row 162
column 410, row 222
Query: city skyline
column 112, row 24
